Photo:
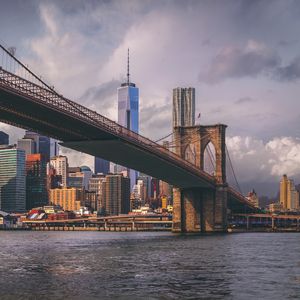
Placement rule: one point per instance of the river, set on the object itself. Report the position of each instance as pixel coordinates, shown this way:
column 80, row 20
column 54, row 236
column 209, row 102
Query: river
column 148, row 265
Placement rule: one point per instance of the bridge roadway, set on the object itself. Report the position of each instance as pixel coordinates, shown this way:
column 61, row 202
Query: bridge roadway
column 265, row 220
column 33, row 107
column 115, row 223
column 269, row 216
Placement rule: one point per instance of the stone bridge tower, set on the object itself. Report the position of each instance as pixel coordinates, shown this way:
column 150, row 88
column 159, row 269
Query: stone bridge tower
column 201, row 209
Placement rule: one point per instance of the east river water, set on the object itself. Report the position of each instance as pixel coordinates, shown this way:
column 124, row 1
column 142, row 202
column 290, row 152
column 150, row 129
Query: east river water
column 103, row 265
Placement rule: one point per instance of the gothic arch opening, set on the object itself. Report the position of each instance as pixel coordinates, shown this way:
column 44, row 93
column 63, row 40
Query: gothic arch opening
column 209, row 159
column 190, row 153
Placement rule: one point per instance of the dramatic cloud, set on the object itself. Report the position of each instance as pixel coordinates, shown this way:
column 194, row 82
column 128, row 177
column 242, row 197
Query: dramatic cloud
column 264, row 162
column 257, row 164
column 246, row 53
column 157, row 118
column 232, row 62
column 102, row 98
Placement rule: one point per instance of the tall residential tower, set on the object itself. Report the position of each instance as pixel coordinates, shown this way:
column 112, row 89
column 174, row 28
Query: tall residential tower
column 183, row 107
column 289, row 196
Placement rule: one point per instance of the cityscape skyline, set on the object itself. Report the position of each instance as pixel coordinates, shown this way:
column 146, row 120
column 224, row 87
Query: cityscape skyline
column 246, row 97
column 180, row 182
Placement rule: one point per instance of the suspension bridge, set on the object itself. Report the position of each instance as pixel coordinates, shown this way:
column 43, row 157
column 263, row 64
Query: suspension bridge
column 201, row 199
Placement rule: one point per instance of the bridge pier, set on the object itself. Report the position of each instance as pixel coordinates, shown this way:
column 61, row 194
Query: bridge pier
column 200, row 210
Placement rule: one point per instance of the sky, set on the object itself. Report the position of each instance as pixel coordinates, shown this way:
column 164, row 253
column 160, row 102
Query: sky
column 242, row 57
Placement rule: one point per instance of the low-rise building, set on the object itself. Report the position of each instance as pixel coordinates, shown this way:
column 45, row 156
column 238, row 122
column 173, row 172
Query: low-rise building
column 67, row 198
column 275, row 207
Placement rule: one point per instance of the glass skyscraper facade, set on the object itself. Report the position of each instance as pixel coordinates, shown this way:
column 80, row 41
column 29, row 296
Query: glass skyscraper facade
column 4, row 138
column 128, row 106
column 36, row 181
column 28, row 145
column 12, row 180
column 101, row 166
column 42, row 143
column 128, row 112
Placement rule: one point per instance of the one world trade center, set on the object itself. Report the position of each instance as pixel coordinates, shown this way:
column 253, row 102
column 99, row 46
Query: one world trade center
column 128, row 111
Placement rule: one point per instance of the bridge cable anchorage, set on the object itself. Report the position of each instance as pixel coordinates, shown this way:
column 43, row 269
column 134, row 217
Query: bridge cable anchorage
column 233, row 172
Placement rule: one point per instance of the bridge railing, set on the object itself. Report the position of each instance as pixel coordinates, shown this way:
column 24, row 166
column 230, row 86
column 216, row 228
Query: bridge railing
column 58, row 102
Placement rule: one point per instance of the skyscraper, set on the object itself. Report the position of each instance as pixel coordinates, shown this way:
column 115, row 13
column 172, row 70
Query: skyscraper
column 289, row 196
column 128, row 104
column 116, row 194
column 42, row 143
column 79, row 179
column 101, row 166
column 183, row 107
column 28, row 145
column 54, row 148
column 12, row 179
column 60, row 164
column 4, row 138
column 128, row 110
column 36, row 181
column 96, row 185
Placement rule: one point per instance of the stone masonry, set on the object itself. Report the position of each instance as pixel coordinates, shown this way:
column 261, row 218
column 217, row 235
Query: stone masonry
column 201, row 209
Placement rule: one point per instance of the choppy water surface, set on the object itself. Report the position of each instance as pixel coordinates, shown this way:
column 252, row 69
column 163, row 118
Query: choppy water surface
column 101, row 265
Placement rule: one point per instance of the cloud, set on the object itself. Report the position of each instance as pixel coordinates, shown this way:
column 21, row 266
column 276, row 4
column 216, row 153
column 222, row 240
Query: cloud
column 102, row 98
column 258, row 161
column 155, row 119
column 233, row 62
column 81, row 48
column 287, row 153
column 74, row 44
column 244, row 100
column 13, row 132
column 257, row 164
column 287, row 43
column 290, row 72
column 77, row 159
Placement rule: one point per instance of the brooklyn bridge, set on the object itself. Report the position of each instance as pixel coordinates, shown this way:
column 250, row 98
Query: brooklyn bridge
column 201, row 200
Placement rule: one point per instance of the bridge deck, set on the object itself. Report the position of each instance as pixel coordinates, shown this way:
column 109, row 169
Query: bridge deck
column 26, row 105
column 30, row 106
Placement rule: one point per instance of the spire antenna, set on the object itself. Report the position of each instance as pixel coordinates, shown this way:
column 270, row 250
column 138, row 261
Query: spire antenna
column 128, row 75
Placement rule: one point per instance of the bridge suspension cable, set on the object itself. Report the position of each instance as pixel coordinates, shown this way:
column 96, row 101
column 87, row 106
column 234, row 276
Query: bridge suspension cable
column 164, row 137
column 44, row 94
column 232, row 169
column 6, row 53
